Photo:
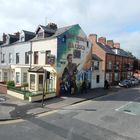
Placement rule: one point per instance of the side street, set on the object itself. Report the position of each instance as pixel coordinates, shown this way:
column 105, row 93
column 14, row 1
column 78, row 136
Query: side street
column 13, row 108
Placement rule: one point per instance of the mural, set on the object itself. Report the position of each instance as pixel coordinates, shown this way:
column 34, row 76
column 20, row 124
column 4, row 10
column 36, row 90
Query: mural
column 73, row 61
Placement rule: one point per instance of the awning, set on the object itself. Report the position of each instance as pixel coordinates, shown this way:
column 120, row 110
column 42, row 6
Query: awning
column 50, row 69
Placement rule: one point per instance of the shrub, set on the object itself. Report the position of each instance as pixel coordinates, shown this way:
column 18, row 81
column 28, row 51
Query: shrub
column 11, row 83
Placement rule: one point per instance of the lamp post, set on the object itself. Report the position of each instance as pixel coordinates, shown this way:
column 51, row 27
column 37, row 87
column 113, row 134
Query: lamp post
column 44, row 87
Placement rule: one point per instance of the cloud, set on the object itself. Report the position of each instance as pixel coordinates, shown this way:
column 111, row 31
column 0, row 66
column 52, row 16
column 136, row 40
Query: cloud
column 113, row 19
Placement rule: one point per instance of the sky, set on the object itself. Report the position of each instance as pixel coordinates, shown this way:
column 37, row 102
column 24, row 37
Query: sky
column 117, row 20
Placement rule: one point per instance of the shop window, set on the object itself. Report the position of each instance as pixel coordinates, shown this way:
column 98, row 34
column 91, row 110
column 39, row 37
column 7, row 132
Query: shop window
column 32, row 81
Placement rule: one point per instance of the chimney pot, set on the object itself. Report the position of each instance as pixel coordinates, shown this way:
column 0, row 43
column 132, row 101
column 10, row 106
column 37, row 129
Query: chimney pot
column 110, row 43
column 117, row 45
column 102, row 40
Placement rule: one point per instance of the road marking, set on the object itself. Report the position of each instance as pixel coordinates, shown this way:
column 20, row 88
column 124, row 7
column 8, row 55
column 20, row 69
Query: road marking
column 123, row 106
column 130, row 113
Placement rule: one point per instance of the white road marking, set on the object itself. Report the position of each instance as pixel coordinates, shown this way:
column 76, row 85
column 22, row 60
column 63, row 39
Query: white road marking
column 123, row 106
column 129, row 113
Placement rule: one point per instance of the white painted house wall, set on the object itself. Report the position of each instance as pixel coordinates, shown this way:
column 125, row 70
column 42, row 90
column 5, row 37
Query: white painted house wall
column 99, row 72
column 41, row 46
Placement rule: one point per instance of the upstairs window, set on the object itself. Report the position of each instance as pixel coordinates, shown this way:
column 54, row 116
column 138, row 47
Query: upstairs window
column 10, row 57
column 26, row 58
column 36, row 57
column 40, row 35
column 17, row 58
column 96, row 65
column 109, row 65
column 3, row 58
column 48, row 57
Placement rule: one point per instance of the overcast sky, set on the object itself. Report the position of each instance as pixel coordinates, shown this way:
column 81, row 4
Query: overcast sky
column 117, row 20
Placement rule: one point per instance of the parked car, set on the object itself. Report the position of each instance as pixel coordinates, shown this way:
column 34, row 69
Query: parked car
column 125, row 83
column 134, row 81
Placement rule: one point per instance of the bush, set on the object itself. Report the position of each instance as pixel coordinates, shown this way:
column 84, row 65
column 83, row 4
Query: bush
column 11, row 83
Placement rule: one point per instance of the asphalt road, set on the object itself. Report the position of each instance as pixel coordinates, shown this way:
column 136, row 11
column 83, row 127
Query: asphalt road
column 112, row 117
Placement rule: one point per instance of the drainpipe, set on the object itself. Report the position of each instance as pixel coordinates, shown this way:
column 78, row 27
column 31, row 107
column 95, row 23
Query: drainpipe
column 31, row 55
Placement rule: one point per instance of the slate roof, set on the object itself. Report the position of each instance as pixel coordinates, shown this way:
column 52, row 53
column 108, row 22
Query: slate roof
column 95, row 57
column 106, row 48
column 58, row 32
column 29, row 33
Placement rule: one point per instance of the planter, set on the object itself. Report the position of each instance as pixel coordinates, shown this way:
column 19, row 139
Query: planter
column 39, row 97
column 15, row 94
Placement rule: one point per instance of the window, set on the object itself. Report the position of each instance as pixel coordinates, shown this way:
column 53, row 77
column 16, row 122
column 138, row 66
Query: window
column 0, row 76
column 116, row 76
column 64, row 39
column 40, row 35
column 109, row 66
column 35, row 57
column 26, row 58
column 48, row 57
column 17, row 58
column 32, row 81
column 97, row 78
column 77, row 54
column 40, row 84
column 25, row 77
column 5, row 76
column 10, row 58
column 96, row 65
column 3, row 58
column 17, row 77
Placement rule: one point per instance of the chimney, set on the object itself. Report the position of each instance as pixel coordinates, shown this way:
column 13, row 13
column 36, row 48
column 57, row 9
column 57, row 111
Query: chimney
column 17, row 34
column 110, row 43
column 102, row 40
column 4, row 38
column 93, row 38
column 117, row 45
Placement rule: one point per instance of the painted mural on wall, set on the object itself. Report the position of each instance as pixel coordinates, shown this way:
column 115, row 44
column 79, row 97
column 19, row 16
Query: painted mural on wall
column 74, row 61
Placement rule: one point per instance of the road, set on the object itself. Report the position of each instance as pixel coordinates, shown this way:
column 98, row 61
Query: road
column 112, row 117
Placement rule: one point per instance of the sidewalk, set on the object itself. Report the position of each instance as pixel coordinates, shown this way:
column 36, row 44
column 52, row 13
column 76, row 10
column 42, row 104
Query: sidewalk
column 13, row 108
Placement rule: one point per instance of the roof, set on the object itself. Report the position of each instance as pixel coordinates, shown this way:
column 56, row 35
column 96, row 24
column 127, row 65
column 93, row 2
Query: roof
column 95, row 57
column 58, row 32
column 121, row 52
column 41, row 69
column 106, row 48
column 29, row 33
column 37, row 69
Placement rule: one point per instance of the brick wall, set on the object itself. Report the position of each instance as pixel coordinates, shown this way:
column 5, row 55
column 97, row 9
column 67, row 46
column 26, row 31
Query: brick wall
column 3, row 88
